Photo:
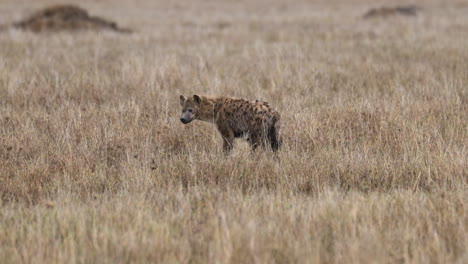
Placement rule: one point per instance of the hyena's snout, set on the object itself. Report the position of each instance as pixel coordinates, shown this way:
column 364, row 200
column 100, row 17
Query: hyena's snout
column 186, row 118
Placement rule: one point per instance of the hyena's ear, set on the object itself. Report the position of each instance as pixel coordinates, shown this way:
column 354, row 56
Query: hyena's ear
column 197, row 99
column 182, row 100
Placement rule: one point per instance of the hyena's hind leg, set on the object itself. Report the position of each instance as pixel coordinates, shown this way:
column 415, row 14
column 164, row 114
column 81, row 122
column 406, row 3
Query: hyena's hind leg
column 258, row 140
column 274, row 136
column 254, row 141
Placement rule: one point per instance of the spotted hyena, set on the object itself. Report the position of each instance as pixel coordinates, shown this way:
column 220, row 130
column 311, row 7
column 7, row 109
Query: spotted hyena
column 256, row 121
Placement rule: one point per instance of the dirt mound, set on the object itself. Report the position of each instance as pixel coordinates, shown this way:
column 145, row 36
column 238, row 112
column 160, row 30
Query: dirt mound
column 66, row 18
column 391, row 11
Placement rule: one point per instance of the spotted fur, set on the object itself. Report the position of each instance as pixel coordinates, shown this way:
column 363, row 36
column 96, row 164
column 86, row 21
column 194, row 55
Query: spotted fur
column 256, row 121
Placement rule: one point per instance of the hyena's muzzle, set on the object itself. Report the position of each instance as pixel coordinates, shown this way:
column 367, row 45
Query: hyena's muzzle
column 187, row 117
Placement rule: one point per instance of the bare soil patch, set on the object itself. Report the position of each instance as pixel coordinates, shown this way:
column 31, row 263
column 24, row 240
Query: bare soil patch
column 66, row 18
column 385, row 11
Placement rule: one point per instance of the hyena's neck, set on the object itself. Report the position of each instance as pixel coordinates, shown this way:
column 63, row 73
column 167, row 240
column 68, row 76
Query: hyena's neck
column 207, row 110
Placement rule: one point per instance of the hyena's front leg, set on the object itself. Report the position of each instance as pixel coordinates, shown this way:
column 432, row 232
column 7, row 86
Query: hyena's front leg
column 228, row 139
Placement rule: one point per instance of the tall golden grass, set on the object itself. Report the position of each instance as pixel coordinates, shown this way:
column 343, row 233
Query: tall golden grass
column 95, row 166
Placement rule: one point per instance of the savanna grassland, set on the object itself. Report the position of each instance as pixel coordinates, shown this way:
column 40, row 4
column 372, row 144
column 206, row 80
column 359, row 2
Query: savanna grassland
column 95, row 166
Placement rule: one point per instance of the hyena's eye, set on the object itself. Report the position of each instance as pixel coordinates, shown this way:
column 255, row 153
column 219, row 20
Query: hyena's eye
column 190, row 110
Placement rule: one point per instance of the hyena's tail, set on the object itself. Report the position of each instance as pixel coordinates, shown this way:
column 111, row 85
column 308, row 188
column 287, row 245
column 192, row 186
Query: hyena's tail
column 274, row 135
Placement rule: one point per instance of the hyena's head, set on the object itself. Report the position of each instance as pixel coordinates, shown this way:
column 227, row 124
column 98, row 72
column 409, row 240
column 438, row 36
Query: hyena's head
column 192, row 108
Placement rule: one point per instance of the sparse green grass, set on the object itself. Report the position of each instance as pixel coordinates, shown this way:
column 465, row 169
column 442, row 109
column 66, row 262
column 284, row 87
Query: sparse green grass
column 95, row 166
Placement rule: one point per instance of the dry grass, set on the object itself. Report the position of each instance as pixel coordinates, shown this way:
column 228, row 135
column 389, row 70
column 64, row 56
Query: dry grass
column 95, row 166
